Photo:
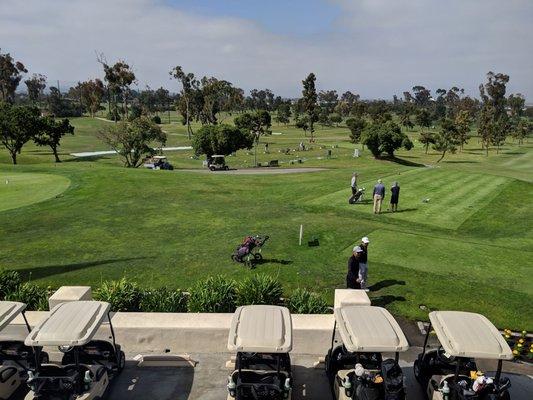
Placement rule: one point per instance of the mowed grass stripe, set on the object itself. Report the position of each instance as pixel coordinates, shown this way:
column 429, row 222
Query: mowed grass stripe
column 468, row 195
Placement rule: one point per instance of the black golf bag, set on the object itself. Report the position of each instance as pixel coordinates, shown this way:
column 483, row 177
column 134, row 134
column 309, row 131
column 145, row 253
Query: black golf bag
column 356, row 196
column 392, row 380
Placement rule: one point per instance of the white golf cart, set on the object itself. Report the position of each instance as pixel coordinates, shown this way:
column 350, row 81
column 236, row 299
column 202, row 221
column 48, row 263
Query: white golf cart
column 450, row 372
column 16, row 359
column 356, row 368
column 87, row 364
column 262, row 337
column 217, row 162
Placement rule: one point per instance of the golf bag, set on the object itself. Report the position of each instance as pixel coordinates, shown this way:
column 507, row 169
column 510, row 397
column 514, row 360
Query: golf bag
column 392, row 380
column 249, row 251
column 358, row 196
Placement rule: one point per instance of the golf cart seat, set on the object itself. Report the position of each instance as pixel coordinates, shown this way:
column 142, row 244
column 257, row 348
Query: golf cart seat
column 7, row 372
column 15, row 350
column 95, row 352
column 343, row 359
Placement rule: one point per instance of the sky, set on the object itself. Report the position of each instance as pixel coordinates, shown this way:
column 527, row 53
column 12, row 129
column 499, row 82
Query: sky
column 376, row 48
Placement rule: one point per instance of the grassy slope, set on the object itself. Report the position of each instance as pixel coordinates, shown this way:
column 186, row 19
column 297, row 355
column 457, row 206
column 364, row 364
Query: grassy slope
column 468, row 248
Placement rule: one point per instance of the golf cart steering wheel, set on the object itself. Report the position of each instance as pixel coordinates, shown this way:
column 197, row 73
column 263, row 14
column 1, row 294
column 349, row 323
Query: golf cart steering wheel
column 441, row 355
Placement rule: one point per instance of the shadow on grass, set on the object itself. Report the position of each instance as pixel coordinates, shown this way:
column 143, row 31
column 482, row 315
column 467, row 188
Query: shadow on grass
column 50, row 270
column 85, row 159
column 401, row 210
column 402, row 161
column 273, row 261
column 459, row 162
column 385, row 283
column 383, row 301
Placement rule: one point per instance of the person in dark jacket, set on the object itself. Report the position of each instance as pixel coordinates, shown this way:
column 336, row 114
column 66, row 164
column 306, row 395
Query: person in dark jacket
column 352, row 277
column 394, row 197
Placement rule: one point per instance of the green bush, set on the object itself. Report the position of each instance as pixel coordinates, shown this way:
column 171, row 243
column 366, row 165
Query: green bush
column 163, row 300
column 215, row 294
column 156, row 119
column 303, row 301
column 123, row 295
column 113, row 116
column 259, row 289
column 35, row 297
column 9, row 282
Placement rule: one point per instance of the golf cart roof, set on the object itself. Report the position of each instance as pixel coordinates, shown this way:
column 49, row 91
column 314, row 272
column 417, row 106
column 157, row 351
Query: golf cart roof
column 218, row 156
column 261, row 329
column 159, row 157
column 465, row 334
column 69, row 324
column 369, row 329
column 8, row 312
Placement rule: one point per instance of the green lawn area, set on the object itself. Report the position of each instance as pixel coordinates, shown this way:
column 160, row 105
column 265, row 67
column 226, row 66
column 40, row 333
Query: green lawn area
column 468, row 248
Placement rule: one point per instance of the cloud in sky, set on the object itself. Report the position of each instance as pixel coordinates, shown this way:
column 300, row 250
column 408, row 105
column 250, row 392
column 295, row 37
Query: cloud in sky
column 374, row 47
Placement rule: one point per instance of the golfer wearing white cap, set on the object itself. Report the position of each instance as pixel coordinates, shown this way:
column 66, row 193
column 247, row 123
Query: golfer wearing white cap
column 363, row 263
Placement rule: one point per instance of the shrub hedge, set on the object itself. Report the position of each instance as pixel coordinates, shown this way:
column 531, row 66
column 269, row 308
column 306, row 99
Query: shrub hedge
column 214, row 294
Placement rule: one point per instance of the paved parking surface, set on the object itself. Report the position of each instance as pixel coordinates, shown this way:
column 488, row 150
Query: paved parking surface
column 207, row 381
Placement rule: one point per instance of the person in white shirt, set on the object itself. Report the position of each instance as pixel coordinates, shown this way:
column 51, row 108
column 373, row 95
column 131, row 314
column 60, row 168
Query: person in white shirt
column 353, row 183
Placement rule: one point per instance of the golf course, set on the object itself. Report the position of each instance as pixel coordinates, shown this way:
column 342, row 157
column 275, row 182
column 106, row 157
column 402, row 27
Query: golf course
column 461, row 239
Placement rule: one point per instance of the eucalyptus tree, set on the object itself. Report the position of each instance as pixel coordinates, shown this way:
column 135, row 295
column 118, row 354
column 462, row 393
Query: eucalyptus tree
column 309, row 100
column 35, row 85
column 11, row 72
column 189, row 85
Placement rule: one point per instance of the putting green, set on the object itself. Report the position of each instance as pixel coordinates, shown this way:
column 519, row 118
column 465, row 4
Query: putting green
column 20, row 189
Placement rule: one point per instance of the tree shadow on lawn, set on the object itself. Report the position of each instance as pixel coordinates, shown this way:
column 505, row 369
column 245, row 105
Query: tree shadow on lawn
column 85, row 159
column 50, row 270
column 401, row 161
column 385, row 283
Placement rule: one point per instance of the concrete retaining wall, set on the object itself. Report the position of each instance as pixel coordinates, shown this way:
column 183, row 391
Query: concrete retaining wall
column 194, row 333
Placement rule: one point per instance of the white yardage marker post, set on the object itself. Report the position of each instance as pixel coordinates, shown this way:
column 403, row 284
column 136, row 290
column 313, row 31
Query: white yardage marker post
column 301, row 233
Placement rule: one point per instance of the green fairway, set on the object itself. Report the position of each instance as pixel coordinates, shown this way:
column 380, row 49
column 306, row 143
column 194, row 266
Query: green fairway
column 19, row 190
column 468, row 247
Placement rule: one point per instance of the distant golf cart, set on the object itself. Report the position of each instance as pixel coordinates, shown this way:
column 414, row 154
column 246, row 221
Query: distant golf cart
column 87, row 364
column 158, row 162
column 450, row 372
column 262, row 337
column 217, row 162
column 16, row 359
column 356, row 368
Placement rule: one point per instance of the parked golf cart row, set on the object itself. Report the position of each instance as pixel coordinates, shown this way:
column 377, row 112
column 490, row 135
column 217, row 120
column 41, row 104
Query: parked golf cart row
column 87, row 364
column 356, row 365
column 261, row 335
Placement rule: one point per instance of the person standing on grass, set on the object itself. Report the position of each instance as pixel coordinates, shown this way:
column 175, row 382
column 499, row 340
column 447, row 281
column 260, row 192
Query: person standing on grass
column 394, row 196
column 378, row 196
column 363, row 263
column 352, row 277
column 353, row 183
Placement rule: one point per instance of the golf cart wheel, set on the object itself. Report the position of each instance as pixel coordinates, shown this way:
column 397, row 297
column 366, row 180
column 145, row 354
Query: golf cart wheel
column 121, row 361
column 417, row 372
column 211, row 168
column 226, row 168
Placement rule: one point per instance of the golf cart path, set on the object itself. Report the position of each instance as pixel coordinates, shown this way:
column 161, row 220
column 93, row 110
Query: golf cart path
column 256, row 171
column 111, row 152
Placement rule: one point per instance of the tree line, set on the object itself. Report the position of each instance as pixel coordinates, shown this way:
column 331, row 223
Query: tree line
column 377, row 124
